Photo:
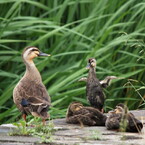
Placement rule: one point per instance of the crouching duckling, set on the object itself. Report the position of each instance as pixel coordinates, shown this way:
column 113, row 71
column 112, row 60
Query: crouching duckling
column 122, row 120
column 79, row 114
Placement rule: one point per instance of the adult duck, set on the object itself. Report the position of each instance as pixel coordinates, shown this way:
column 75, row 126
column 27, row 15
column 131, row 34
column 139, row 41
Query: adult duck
column 30, row 94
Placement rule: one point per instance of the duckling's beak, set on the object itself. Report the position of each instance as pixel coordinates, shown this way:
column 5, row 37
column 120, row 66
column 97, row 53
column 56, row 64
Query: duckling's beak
column 88, row 66
column 112, row 111
column 78, row 108
column 43, row 54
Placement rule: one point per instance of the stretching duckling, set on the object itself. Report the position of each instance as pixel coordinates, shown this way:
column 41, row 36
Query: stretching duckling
column 30, row 94
column 120, row 119
column 94, row 87
column 104, row 83
column 90, row 116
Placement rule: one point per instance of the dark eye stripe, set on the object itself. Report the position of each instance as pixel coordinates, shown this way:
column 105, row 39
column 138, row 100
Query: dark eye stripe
column 34, row 49
column 91, row 60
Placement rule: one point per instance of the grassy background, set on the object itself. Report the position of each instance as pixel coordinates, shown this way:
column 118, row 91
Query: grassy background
column 72, row 31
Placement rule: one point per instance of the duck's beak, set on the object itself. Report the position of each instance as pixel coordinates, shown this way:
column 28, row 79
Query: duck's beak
column 43, row 54
column 88, row 66
column 112, row 111
column 78, row 108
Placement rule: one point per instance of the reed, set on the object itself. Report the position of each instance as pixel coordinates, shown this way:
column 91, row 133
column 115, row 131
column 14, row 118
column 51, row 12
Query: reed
column 73, row 31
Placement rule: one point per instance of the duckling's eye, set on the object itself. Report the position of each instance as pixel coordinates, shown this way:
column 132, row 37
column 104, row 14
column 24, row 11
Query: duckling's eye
column 90, row 61
column 76, row 106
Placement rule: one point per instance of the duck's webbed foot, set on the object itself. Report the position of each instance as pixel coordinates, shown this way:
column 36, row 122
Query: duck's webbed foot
column 44, row 122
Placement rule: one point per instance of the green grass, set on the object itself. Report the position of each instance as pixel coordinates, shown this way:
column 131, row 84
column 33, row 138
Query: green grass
column 39, row 130
column 73, row 31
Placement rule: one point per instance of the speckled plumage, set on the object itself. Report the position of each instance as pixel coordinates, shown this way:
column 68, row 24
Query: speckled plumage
column 90, row 116
column 94, row 90
column 122, row 120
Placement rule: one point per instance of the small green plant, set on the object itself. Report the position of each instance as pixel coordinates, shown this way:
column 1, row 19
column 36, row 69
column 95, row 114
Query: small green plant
column 96, row 135
column 44, row 132
column 40, row 131
column 21, row 129
column 123, row 125
column 124, row 121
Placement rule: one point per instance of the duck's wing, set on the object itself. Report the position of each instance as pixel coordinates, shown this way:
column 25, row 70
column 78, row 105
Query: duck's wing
column 113, row 122
column 107, row 81
column 134, row 125
column 83, row 111
column 35, row 90
column 35, row 94
column 84, row 79
column 82, row 119
column 96, row 115
column 95, row 112
column 37, row 101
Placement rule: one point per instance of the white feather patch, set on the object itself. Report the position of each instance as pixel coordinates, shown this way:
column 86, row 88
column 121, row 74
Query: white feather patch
column 27, row 52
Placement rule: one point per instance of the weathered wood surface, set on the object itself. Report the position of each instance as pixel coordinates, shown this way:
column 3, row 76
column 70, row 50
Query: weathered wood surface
column 75, row 135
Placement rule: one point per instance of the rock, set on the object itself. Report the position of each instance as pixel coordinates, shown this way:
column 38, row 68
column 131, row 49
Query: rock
column 69, row 134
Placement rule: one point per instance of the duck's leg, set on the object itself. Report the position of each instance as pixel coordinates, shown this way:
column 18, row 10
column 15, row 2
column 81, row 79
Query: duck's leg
column 24, row 116
column 81, row 123
column 43, row 121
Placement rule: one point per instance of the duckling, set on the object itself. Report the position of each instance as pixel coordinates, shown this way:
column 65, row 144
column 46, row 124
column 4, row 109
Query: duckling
column 77, row 113
column 114, row 119
column 134, row 125
column 122, row 120
column 94, row 87
column 94, row 90
column 30, row 94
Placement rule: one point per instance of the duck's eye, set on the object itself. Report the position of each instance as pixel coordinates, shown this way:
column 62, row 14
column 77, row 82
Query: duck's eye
column 90, row 61
column 34, row 49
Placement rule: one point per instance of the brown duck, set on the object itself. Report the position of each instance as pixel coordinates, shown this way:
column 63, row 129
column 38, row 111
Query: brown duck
column 78, row 114
column 30, row 94
column 122, row 120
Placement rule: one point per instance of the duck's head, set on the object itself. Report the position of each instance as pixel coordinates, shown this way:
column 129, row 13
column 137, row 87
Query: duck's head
column 123, row 106
column 120, row 108
column 117, row 110
column 31, row 52
column 75, row 106
column 91, row 63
